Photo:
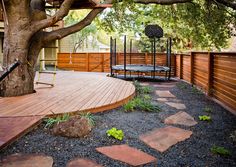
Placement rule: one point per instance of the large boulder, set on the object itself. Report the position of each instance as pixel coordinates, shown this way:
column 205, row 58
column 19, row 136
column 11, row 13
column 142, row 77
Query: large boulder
column 75, row 127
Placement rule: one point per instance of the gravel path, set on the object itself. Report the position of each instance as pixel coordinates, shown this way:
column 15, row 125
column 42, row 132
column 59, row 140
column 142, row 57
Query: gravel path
column 192, row 152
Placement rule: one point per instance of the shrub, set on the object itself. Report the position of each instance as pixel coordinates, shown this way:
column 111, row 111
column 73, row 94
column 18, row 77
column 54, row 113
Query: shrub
column 204, row 118
column 140, row 90
column 89, row 117
column 195, row 90
column 207, row 109
column 220, row 151
column 142, row 104
column 182, row 85
column 51, row 121
column 130, row 106
column 116, row 133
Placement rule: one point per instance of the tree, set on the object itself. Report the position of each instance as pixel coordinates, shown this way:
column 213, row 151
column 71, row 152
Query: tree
column 24, row 38
column 25, row 21
column 204, row 25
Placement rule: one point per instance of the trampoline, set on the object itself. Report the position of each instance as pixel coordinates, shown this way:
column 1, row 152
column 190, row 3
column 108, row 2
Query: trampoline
column 141, row 68
column 152, row 68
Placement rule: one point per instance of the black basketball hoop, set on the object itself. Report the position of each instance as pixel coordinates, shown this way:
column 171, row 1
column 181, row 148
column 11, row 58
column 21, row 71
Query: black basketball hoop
column 153, row 31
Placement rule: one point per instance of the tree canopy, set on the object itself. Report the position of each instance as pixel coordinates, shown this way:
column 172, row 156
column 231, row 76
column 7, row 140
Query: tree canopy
column 196, row 24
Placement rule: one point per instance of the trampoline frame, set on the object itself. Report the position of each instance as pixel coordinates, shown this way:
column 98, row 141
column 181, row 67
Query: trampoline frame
column 140, row 67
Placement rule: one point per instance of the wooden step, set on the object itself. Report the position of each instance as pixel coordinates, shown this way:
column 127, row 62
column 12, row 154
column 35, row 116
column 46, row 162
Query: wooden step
column 45, row 83
column 49, row 60
column 47, row 72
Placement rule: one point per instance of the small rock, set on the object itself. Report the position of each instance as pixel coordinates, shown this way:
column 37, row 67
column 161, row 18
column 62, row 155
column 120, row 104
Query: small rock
column 75, row 127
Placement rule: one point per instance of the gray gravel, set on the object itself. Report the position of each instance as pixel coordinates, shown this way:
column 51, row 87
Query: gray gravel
column 194, row 152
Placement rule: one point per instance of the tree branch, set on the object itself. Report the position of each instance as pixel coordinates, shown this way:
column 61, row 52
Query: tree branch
column 59, row 15
column 162, row 2
column 228, row 3
column 58, row 34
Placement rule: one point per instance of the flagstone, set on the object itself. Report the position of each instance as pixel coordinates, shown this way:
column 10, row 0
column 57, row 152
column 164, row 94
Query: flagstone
column 164, row 93
column 82, row 162
column 178, row 106
column 181, row 118
column 162, row 139
column 162, row 99
column 27, row 160
column 127, row 154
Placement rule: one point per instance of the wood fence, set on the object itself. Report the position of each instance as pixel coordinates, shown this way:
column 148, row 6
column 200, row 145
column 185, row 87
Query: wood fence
column 100, row 62
column 214, row 73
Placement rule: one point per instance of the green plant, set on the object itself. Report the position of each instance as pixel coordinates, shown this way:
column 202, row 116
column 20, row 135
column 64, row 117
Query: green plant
column 204, row 118
column 146, row 97
column 89, row 117
column 220, row 151
column 140, row 90
column 182, row 85
column 195, row 90
column 51, row 121
column 142, row 104
column 207, row 109
column 116, row 133
column 130, row 106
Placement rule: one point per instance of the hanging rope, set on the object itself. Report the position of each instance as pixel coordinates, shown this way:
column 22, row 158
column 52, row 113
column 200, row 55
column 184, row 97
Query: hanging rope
column 4, row 13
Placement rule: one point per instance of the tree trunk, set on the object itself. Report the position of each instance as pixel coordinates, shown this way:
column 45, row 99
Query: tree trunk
column 17, row 37
column 21, row 80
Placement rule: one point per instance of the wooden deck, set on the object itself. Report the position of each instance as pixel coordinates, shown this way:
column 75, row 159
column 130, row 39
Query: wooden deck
column 73, row 92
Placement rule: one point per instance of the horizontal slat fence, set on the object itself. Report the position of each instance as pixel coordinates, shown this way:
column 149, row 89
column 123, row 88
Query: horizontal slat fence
column 214, row 73
column 100, row 62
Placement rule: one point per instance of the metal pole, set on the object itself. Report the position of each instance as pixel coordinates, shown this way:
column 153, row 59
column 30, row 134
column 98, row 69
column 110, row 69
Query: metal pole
column 115, row 50
column 130, row 53
column 111, row 52
column 154, row 60
column 125, row 54
column 169, row 57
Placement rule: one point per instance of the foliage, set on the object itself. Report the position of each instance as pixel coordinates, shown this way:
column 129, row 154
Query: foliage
column 207, row 109
column 130, row 106
column 204, row 118
column 89, row 117
column 182, row 85
column 51, row 121
column 141, row 104
column 220, row 151
column 200, row 24
column 116, row 133
column 195, row 90
column 140, row 90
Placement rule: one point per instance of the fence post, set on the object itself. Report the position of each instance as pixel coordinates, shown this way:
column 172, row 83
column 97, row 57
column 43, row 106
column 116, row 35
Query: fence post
column 181, row 66
column 210, row 73
column 102, row 62
column 146, row 58
column 191, row 67
column 87, row 65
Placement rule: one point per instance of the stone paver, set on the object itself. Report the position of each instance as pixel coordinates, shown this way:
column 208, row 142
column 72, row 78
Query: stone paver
column 163, row 138
column 127, row 154
column 164, row 93
column 181, row 118
column 178, row 106
column 162, row 99
column 82, row 162
column 164, row 86
column 27, row 160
